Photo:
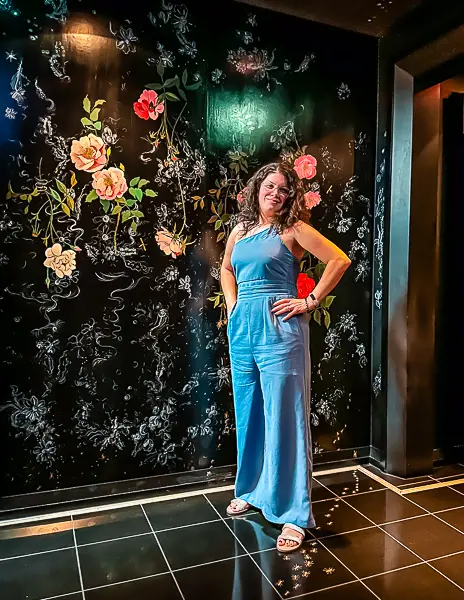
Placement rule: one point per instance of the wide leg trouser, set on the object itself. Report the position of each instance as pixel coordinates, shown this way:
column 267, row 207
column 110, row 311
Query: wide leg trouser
column 271, row 383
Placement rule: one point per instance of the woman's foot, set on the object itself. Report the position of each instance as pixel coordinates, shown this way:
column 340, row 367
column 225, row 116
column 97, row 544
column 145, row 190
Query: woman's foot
column 237, row 507
column 291, row 538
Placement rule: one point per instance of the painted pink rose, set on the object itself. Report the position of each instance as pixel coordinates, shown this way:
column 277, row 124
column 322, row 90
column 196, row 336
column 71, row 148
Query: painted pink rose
column 148, row 106
column 168, row 244
column 242, row 195
column 110, row 183
column 312, row 199
column 89, row 153
column 305, row 166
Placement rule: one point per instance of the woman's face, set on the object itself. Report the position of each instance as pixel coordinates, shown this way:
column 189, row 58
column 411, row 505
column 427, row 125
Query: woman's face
column 273, row 193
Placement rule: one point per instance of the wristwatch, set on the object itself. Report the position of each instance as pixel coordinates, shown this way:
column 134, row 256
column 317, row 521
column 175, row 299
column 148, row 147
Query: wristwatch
column 314, row 299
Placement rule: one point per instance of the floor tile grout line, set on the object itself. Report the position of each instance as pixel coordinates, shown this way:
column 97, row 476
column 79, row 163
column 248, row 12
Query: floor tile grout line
column 247, row 553
column 112, row 506
column 78, row 560
column 423, row 562
column 408, row 549
column 61, row 596
column 431, row 514
column 211, row 562
column 130, row 503
column 163, row 553
column 343, row 565
column 116, row 583
column 36, row 553
column 332, row 587
column 445, row 556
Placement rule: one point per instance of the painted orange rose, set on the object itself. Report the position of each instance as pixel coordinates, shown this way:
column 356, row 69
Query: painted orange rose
column 168, row 243
column 62, row 262
column 305, row 166
column 89, row 153
column 312, row 199
column 110, row 183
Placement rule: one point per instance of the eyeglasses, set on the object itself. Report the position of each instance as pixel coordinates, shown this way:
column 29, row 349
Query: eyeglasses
column 283, row 193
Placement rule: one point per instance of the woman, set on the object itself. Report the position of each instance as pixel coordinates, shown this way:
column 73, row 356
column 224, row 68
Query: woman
column 268, row 332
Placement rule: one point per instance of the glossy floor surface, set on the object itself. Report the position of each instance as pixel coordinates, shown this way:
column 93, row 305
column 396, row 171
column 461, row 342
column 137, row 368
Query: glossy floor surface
column 370, row 542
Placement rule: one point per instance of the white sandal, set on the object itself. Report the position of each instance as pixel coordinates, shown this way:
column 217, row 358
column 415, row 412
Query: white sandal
column 291, row 538
column 240, row 507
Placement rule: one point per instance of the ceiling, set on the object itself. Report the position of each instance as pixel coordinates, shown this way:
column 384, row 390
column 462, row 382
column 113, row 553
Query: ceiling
column 372, row 17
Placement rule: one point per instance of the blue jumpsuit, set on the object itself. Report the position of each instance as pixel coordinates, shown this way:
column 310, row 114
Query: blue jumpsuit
column 271, row 383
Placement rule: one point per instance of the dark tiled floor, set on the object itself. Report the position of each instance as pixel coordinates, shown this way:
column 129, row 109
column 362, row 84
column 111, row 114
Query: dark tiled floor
column 370, row 542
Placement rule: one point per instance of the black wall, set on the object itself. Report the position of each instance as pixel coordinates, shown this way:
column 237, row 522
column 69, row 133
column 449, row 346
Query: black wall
column 121, row 370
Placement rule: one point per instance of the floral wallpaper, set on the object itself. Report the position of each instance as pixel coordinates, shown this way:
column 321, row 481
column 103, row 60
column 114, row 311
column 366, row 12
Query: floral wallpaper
column 127, row 140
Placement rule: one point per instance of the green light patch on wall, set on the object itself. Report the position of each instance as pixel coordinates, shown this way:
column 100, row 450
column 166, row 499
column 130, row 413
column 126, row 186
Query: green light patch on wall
column 241, row 117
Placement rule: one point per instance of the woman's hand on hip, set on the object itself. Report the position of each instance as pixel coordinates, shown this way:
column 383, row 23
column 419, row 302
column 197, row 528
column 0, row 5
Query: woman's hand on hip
column 292, row 306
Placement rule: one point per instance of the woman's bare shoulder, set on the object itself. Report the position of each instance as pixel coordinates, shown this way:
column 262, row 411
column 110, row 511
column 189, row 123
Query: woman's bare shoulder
column 237, row 232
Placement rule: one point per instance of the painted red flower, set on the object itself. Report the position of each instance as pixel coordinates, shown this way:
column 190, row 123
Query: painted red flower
column 242, row 195
column 148, row 106
column 305, row 166
column 305, row 285
column 312, row 199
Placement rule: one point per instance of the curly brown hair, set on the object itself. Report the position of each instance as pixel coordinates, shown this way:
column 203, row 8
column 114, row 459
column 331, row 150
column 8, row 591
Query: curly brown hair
column 293, row 210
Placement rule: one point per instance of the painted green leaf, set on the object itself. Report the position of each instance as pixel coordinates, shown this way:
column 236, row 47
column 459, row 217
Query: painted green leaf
column 66, row 210
column 160, row 68
column 143, row 182
column 86, row 104
column 216, row 302
column 130, row 202
column 86, row 122
column 171, row 82
column 105, row 204
column 126, row 215
column 55, row 195
column 172, row 96
column 154, row 86
column 26, row 210
column 70, row 202
column 99, row 102
column 108, row 152
column 94, row 114
column 134, row 181
column 217, row 225
column 134, row 226
column 184, row 76
column 92, row 195
column 327, row 302
column 122, row 167
column 182, row 94
column 35, row 192
column 138, row 194
column 73, row 180
column 326, row 319
column 23, row 197
column 61, row 187
column 193, row 86
column 151, row 193
column 98, row 125
column 317, row 316
column 132, row 192
column 116, row 210
column 137, row 213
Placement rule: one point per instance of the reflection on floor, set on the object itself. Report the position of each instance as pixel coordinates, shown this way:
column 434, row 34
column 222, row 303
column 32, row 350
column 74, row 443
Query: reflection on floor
column 370, row 542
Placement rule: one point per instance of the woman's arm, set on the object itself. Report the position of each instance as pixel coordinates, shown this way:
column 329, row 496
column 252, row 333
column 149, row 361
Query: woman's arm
column 228, row 282
column 336, row 261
